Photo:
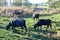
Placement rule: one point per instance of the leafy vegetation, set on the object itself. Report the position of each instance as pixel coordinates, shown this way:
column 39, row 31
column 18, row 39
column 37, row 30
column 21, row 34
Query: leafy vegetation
column 54, row 3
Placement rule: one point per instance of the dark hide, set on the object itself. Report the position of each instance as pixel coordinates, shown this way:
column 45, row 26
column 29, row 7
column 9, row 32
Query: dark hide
column 16, row 23
column 43, row 22
column 35, row 16
column 17, row 13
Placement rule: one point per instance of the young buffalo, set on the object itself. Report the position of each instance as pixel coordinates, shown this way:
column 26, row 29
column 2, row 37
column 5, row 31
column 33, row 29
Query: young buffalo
column 35, row 16
column 17, row 22
column 43, row 22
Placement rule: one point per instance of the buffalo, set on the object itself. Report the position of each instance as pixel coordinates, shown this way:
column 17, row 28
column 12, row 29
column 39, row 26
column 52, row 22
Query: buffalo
column 16, row 23
column 41, row 22
column 35, row 16
column 16, row 12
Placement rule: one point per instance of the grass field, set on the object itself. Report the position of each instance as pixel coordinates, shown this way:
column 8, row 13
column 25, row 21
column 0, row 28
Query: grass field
column 31, row 34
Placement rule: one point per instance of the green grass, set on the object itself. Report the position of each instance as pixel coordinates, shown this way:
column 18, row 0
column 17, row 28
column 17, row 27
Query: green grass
column 31, row 34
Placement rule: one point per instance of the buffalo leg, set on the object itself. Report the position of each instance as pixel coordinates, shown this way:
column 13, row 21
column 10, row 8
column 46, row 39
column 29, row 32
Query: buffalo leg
column 13, row 28
column 47, row 27
column 25, row 28
column 51, row 27
column 22, row 28
column 40, row 27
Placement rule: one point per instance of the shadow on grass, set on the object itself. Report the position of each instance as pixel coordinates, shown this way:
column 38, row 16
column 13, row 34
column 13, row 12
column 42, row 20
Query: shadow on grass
column 54, row 22
column 44, row 35
column 45, row 32
column 37, row 36
column 33, row 36
column 38, row 30
column 1, row 37
column 41, row 37
column 26, row 38
column 19, row 32
column 2, row 27
column 6, row 20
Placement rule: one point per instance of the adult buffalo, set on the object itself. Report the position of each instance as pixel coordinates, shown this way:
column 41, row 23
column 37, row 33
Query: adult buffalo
column 16, row 23
column 41, row 22
column 16, row 12
column 35, row 16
